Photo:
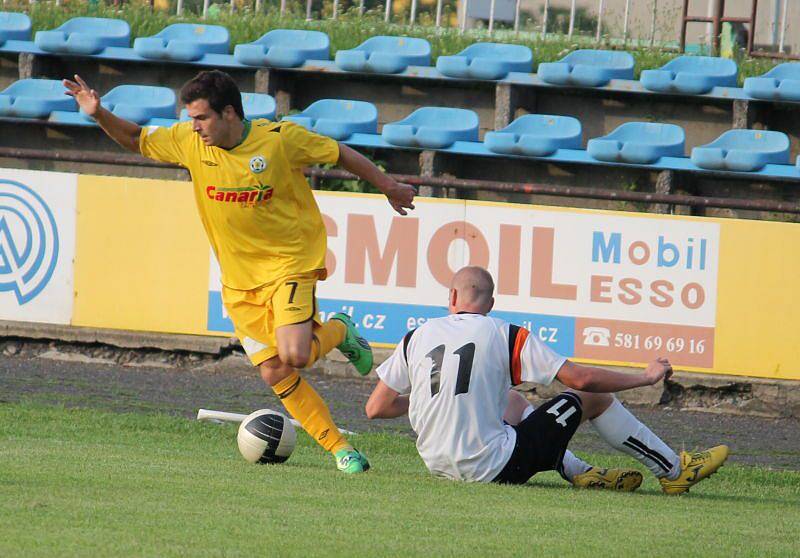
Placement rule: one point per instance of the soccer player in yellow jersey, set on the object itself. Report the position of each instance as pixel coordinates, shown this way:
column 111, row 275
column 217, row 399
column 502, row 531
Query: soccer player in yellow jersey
column 266, row 231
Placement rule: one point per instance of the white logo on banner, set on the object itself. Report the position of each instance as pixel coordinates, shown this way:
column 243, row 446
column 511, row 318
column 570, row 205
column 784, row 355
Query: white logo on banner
column 28, row 241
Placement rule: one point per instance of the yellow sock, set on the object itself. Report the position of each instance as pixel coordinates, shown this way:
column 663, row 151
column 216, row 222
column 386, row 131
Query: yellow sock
column 305, row 405
column 326, row 337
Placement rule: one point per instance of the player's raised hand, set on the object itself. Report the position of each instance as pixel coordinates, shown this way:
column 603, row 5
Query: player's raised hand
column 401, row 197
column 659, row 369
column 86, row 97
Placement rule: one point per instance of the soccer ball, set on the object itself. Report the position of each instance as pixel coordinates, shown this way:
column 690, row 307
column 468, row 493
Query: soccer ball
column 266, row 436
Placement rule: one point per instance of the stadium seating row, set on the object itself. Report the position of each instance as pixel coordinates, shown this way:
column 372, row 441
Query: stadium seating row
column 454, row 130
column 285, row 48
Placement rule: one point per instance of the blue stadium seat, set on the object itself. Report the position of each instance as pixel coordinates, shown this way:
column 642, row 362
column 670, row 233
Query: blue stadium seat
column 486, row 61
column 284, row 48
column 255, row 105
column 35, row 98
column 338, row 119
column 186, row 42
column 691, row 75
column 85, row 35
column 14, row 26
column 433, row 127
column 743, row 150
column 639, row 143
column 781, row 83
column 385, row 55
column 588, row 68
column 140, row 103
column 536, row 135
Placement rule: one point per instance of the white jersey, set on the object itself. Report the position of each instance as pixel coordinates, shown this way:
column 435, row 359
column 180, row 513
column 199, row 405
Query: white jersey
column 458, row 370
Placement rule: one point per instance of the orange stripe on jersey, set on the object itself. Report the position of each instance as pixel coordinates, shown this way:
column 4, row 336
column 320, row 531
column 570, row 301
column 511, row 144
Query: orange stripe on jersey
column 520, row 336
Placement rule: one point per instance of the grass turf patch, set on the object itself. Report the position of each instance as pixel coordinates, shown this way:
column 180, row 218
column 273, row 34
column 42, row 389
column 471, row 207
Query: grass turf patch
column 92, row 483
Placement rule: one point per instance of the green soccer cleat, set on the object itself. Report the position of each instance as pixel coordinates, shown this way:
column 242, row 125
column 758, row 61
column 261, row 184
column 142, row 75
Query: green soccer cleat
column 622, row 480
column 351, row 461
column 354, row 347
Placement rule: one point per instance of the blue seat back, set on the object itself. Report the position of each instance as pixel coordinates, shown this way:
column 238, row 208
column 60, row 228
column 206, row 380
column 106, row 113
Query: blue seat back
column 140, row 103
column 402, row 46
column 35, row 98
column 207, row 34
column 761, row 141
column 604, row 58
column 14, row 26
column 296, row 39
column 705, row 65
column 651, row 133
column 505, row 52
column 116, row 31
column 787, row 70
column 341, row 109
column 545, row 125
column 442, row 117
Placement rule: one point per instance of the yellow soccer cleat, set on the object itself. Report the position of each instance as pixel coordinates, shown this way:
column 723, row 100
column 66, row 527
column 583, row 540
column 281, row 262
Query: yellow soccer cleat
column 622, row 480
column 694, row 468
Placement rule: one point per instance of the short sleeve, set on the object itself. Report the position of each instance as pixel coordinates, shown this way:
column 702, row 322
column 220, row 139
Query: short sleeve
column 165, row 144
column 394, row 371
column 530, row 359
column 303, row 148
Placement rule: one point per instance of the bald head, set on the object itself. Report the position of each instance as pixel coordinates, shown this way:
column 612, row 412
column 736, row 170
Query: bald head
column 471, row 291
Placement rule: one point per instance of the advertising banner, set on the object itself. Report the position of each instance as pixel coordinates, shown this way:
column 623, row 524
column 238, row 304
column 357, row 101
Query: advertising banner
column 37, row 245
column 611, row 287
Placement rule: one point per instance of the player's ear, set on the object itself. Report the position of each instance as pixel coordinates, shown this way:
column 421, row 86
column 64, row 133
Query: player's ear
column 453, row 298
column 491, row 305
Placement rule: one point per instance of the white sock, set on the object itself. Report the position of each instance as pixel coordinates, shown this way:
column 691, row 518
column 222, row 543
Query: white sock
column 626, row 433
column 571, row 465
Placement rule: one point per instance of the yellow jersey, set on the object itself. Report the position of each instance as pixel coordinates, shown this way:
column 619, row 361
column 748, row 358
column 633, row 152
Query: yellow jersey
column 255, row 204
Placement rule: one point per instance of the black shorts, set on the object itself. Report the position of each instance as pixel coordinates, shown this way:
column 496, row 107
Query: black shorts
column 542, row 439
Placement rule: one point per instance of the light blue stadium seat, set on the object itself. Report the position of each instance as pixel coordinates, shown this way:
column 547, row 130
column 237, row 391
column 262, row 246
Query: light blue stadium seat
column 486, row 61
column 255, row 105
column 743, row 150
column 588, row 68
column 14, row 26
column 284, row 48
column 640, row 143
column 35, row 98
column 691, row 75
column 338, row 119
column 385, row 55
column 139, row 103
column 536, row 135
column 183, row 41
column 433, row 127
column 85, row 35
column 781, row 83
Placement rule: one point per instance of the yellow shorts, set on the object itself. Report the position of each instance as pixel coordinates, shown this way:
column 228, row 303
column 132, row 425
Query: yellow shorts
column 257, row 313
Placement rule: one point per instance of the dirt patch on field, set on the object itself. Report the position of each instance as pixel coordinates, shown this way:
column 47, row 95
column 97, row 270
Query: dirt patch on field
column 180, row 384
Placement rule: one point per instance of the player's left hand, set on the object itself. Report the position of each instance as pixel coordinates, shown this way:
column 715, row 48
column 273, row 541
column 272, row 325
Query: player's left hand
column 401, row 197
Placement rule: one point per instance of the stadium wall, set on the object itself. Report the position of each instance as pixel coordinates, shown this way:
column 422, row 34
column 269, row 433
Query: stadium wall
column 714, row 295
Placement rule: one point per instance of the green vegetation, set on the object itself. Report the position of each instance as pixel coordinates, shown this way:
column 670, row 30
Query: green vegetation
column 348, row 31
column 92, row 483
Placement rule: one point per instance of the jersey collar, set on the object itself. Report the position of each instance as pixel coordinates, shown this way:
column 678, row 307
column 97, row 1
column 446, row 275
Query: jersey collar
column 245, row 133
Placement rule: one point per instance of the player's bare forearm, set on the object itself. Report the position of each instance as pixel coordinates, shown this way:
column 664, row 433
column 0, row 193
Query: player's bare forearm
column 124, row 132
column 601, row 380
column 386, row 403
column 401, row 196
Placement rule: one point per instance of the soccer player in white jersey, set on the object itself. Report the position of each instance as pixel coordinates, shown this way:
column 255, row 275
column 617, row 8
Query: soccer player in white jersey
column 453, row 376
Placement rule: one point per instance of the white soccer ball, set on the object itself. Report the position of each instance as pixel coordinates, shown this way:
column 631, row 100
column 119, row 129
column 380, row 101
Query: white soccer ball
column 266, row 436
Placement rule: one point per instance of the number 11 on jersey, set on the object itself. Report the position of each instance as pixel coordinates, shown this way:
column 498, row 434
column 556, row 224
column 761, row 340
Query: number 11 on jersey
column 466, row 355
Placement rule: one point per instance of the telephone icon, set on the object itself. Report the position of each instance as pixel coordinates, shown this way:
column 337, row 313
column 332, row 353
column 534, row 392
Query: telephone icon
column 596, row 336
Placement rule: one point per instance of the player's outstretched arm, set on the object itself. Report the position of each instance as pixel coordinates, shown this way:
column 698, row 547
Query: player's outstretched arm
column 600, row 380
column 386, row 403
column 401, row 196
column 122, row 131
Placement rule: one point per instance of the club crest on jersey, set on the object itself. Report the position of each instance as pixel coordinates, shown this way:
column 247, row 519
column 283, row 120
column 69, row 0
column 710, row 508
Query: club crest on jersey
column 258, row 164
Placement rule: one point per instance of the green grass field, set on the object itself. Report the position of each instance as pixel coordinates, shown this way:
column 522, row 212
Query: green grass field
column 91, row 483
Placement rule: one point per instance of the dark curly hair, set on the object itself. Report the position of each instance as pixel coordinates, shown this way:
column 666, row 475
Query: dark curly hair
column 218, row 88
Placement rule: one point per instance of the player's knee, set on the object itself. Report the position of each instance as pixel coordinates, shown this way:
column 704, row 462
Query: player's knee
column 594, row 404
column 273, row 371
column 295, row 356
